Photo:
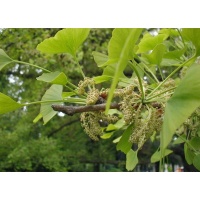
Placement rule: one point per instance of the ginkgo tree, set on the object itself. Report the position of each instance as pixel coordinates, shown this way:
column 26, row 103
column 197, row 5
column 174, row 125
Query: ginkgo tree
column 159, row 99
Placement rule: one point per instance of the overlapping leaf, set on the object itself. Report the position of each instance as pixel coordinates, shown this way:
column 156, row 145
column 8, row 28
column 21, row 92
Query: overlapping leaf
column 54, row 77
column 193, row 34
column 7, row 104
column 182, row 104
column 53, row 93
column 131, row 160
column 157, row 155
column 124, row 145
column 65, row 41
column 120, row 50
column 4, row 59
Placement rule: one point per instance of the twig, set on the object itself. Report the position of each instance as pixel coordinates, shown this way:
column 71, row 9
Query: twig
column 71, row 110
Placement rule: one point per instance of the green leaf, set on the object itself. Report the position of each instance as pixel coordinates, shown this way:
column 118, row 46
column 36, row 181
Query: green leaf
column 176, row 54
column 169, row 62
column 4, row 59
column 8, row 104
column 179, row 140
column 38, row 117
column 157, row 155
column 111, row 127
column 99, row 58
column 65, row 41
column 189, row 155
column 67, row 94
column 157, row 54
column 131, row 160
column 53, row 93
column 124, row 145
column 117, row 139
column 53, row 77
column 192, row 34
column 182, row 104
column 195, row 143
column 107, row 135
column 120, row 50
column 149, row 42
column 101, row 79
column 196, row 161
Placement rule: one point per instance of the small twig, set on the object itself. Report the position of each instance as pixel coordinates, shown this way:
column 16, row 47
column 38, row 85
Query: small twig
column 70, row 110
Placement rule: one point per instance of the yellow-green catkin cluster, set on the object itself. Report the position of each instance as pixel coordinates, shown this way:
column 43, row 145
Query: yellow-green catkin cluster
column 128, row 103
column 144, row 127
column 183, row 71
column 92, row 97
column 85, row 83
column 90, row 121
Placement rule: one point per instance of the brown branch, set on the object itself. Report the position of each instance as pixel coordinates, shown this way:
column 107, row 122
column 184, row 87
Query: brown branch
column 71, row 110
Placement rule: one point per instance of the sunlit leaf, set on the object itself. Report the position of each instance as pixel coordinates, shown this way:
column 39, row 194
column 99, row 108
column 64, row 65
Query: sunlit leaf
column 124, row 145
column 107, row 135
column 155, row 57
column 99, row 58
column 149, row 42
column 53, row 93
column 182, row 104
column 7, row 104
column 117, row 139
column 4, row 59
column 120, row 50
column 65, row 41
column 176, row 54
column 157, row 155
column 131, row 160
column 102, row 78
column 53, row 77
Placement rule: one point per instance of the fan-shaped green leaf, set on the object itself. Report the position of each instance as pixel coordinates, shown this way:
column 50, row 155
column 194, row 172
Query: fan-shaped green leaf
column 157, row 156
column 53, row 93
column 120, row 50
column 148, row 42
column 131, row 160
column 195, row 143
column 157, row 54
column 124, row 145
column 65, row 41
column 182, row 104
column 100, row 58
column 196, row 161
column 189, row 155
column 4, row 59
column 193, row 34
column 7, row 104
column 54, row 77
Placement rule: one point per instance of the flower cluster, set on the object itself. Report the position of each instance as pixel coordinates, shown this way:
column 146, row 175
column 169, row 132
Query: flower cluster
column 92, row 97
column 145, row 126
column 83, row 84
column 91, row 123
